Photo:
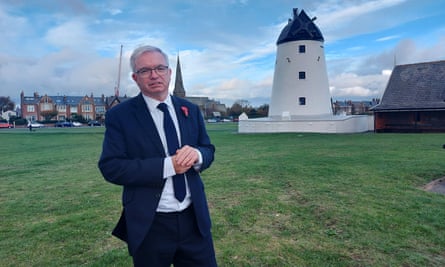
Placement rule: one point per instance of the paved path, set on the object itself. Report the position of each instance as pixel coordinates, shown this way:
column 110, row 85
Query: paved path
column 437, row 186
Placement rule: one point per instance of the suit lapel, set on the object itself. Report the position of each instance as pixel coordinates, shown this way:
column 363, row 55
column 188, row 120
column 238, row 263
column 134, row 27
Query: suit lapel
column 182, row 120
column 145, row 120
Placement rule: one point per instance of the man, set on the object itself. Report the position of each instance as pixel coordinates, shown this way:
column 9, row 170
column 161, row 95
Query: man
column 159, row 227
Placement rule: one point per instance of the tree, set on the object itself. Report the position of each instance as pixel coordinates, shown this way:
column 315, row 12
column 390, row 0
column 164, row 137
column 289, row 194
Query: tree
column 236, row 109
column 48, row 114
column 6, row 103
column 244, row 104
column 263, row 110
column 78, row 117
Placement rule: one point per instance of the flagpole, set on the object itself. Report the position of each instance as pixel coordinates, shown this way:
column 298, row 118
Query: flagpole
column 119, row 75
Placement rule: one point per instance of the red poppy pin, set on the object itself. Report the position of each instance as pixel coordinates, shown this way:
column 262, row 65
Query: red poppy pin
column 185, row 110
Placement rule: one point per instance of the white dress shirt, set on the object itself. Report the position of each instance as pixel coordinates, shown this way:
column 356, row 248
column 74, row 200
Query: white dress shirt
column 168, row 202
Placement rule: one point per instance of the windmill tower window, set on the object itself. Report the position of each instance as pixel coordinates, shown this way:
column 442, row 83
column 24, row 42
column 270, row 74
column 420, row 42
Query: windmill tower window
column 302, row 75
column 302, row 49
column 302, row 101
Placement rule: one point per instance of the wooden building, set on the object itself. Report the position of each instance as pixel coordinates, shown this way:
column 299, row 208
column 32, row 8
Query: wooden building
column 414, row 99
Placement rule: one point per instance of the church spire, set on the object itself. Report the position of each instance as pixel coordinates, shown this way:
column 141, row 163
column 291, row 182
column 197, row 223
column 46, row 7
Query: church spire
column 179, row 86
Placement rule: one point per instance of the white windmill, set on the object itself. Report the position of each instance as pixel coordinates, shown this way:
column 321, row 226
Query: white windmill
column 300, row 84
column 301, row 101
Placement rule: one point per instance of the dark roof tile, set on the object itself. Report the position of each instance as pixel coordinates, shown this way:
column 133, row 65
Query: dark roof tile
column 415, row 86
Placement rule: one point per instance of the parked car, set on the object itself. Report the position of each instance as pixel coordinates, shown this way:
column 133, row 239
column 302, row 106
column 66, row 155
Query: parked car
column 64, row 124
column 5, row 125
column 77, row 124
column 36, row 125
column 94, row 123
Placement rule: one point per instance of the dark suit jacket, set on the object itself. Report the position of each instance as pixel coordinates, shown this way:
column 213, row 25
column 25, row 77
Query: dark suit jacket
column 133, row 157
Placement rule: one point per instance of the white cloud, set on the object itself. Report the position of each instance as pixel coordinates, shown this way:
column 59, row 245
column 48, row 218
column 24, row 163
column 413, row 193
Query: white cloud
column 352, row 91
column 351, row 85
column 6, row 21
column 340, row 19
column 410, row 51
column 114, row 11
column 387, row 38
column 69, row 34
column 386, row 72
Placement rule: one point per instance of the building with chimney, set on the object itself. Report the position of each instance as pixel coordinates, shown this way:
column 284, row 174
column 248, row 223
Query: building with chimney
column 63, row 108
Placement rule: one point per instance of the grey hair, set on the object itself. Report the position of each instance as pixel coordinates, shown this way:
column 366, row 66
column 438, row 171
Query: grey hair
column 145, row 49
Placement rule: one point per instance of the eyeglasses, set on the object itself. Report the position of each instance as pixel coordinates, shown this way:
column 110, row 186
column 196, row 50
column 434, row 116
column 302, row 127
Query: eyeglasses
column 148, row 72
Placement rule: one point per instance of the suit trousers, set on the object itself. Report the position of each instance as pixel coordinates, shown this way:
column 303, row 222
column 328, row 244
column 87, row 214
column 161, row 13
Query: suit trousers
column 174, row 238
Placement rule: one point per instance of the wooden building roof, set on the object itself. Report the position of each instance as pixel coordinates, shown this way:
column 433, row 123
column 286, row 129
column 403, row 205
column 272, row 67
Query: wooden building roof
column 419, row 86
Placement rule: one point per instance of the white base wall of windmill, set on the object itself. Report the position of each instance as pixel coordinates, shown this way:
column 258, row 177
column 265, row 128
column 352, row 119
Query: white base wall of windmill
column 308, row 124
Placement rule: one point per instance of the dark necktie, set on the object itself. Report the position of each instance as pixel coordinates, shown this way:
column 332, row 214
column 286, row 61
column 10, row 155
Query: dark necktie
column 173, row 145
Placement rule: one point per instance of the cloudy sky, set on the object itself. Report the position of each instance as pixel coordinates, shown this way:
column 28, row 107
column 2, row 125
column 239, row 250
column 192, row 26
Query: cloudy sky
column 226, row 47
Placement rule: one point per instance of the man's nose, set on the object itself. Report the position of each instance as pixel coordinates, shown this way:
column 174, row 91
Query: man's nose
column 154, row 74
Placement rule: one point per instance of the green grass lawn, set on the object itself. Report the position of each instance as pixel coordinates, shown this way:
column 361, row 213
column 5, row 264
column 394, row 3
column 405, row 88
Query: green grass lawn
column 276, row 199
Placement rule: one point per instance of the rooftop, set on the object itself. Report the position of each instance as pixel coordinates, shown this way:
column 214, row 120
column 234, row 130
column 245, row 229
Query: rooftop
column 415, row 86
column 301, row 27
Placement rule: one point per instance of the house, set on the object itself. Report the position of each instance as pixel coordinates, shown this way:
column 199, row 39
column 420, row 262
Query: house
column 61, row 108
column 6, row 115
column 349, row 107
column 414, row 99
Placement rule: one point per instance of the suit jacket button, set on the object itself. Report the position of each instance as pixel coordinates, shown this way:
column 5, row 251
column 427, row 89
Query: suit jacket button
column 158, row 195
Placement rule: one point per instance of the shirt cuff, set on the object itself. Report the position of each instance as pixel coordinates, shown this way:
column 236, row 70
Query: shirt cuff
column 169, row 170
column 197, row 165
